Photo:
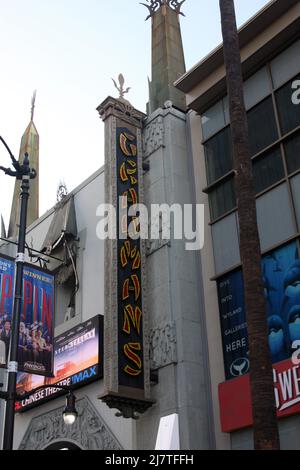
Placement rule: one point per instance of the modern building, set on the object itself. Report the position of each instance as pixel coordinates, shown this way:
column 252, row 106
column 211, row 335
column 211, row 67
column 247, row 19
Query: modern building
column 270, row 50
column 165, row 327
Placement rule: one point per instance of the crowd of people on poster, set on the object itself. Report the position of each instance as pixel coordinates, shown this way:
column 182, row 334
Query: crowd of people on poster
column 37, row 313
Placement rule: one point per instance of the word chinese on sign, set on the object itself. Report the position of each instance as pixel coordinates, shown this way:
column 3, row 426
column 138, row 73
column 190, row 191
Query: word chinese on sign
column 130, row 308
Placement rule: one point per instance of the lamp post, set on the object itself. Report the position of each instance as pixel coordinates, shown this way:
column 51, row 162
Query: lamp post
column 23, row 173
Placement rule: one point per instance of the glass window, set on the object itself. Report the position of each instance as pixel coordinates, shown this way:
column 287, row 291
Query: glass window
column 289, row 113
column 286, row 65
column 267, row 170
column 222, row 199
column 292, row 152
column 213, row 120
column 257, row 88
column 218, row 153
column 262, row 126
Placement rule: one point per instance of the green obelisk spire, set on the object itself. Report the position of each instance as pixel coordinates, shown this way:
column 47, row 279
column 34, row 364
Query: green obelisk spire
column 168, row 63
column 29, row 144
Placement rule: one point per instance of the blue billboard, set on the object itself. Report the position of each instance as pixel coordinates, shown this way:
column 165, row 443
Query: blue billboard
column 281, row 275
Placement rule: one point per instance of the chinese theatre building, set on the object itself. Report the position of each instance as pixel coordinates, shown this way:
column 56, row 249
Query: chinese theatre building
column 151, row 335
column 123, row 318
column 270, row 50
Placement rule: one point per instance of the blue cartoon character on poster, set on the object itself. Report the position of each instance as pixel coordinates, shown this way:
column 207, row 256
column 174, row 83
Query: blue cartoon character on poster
column 292, row 301
column 281, row 271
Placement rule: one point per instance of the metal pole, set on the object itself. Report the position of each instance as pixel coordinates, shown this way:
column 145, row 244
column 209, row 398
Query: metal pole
column 14, row 343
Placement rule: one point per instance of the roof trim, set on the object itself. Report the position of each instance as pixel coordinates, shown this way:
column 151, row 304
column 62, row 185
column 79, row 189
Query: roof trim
column 258, row 23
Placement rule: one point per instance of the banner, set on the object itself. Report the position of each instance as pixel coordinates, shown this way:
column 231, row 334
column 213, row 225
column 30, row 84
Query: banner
column 233, row 325
column 36, row 330
column 235, row 397
column 7, row 280
column 78, row 360
column 281, row 275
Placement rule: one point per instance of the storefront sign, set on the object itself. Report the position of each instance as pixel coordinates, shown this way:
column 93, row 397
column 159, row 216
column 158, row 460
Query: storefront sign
column 235, row 397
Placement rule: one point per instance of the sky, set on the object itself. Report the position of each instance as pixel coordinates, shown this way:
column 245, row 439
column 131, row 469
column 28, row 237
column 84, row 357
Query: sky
column 68, row 50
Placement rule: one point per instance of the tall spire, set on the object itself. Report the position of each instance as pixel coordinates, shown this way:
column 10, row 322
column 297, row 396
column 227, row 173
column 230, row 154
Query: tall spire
column 3, row 231
column 29, row 144
column 168, row 62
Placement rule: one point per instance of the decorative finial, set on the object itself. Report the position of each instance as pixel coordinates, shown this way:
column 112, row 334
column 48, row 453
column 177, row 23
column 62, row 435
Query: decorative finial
column 33, row 104
column 120, row 88
column 62, row 191
column 155, row 5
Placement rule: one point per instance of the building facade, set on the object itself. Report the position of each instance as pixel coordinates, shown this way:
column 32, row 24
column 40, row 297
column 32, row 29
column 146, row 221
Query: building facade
column 182, row 311
column 270, row 48
column 174, row 359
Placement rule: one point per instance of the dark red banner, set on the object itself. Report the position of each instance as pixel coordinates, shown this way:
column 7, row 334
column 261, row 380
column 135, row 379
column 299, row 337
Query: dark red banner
column 235, row 397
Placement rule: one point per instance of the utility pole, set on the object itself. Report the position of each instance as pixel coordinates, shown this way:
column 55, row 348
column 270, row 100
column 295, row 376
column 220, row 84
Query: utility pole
column 25, row 174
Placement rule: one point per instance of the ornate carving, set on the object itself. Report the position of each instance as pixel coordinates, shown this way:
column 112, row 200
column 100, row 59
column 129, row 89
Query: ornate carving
column 121, row 88
column 122, row 109
column 89, row 431
column 154, row 245
column 163, row 346
column 154, row 136
column 154, row 5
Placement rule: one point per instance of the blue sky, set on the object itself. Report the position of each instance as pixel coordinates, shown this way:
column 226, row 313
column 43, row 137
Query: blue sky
column 68, row 50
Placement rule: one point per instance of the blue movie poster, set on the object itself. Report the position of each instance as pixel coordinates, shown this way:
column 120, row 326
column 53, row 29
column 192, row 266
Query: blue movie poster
column 36, row 330
column 233, row 325
column 37, row 322
column 281, row 273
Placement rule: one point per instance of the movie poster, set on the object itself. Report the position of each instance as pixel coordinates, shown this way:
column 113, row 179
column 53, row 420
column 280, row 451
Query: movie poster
column 37, row 322
column 78, row 360
column 37, row 317
column 7, row 280
column 281, row 275
column 281, row 271
column 233, row 325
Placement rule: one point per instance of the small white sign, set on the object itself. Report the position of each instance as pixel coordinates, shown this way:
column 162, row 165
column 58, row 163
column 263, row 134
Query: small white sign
column 2, row 353
column 168, row 433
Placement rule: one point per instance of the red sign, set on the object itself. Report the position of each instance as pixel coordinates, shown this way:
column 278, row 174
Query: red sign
column 235, row 397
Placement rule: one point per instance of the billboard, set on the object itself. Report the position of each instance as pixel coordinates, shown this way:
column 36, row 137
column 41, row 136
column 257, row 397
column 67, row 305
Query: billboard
column 37, row 322
column 233, row 325
column 78, row 360
column 281, row 274
column 7, row 280
column 37, row 316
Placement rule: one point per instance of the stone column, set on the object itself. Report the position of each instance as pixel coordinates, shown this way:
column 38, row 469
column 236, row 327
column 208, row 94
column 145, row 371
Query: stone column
column 127, row 382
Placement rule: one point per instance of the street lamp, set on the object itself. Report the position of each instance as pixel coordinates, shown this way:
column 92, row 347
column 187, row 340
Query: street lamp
column 70, row 414
column 23, row 173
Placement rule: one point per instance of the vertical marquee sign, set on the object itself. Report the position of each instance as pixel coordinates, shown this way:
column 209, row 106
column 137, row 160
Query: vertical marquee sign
column 130, row 305
column 126, row 347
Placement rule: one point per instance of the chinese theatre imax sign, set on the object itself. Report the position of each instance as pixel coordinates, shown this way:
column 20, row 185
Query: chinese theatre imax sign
column 126, row 363
column 78, row 361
